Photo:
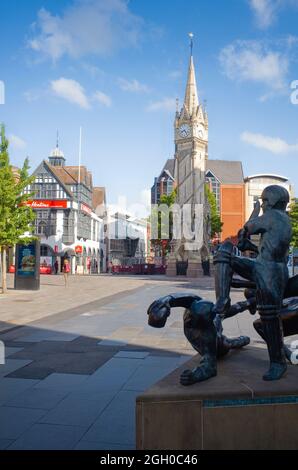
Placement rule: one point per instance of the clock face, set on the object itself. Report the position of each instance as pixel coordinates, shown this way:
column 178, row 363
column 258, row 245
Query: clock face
column 184, row 130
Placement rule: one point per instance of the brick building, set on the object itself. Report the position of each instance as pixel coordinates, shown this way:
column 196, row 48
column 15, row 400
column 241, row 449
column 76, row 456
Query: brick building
column 226, row 180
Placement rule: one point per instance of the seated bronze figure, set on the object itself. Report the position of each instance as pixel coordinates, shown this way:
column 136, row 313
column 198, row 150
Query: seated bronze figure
column 268, row 291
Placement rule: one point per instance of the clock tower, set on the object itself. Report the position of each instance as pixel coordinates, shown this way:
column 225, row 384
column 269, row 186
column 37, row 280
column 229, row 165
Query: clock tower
column 191, row 144
column 191, row 153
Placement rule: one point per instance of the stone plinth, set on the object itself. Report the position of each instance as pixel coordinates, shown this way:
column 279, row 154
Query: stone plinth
column 235, row 410
column 171, row 267
column 194, row 268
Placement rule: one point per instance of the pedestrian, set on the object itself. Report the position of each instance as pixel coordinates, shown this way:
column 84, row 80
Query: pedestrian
column 56, row 266
column 66, row 271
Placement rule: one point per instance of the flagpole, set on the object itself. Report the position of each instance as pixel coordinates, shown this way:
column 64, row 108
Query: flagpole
column 80, row 155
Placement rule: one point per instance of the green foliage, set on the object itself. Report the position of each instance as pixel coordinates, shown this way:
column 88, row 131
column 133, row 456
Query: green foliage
column 216, row 224
column 164, row 243
column 170, row 199
column 15, row 217
column 294, row 220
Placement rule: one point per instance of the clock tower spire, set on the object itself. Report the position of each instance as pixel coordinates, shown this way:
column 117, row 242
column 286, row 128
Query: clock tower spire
column 191, row 153
column 191, row 142
column 191, row 100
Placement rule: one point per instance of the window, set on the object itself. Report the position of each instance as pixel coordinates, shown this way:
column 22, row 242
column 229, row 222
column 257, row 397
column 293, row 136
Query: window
column 214, row 186
column 46, row 222
column 68, row 226
column 45, row 251
column 41, row 228
column 84, row 226
column 46, row 187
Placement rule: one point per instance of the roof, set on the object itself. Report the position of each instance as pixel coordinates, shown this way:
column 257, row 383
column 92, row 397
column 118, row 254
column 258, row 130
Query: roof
column 226, row 171
column 267, row 175
column 98, row 197
column 169, row 166
column 56, row 152
column 70, row 174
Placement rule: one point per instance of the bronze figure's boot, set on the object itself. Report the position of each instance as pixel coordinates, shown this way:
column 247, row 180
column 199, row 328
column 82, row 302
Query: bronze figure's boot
column 223, row 277
column 272, row 329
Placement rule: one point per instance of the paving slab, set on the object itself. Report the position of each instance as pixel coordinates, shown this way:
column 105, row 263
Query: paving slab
column 15, row 421
column 62, row 382
column 37, row 398
column 5, row 443
column 116, row 425
column 145, row 377
column 73, row 411
column 10, row 388
column 9, row 351
column 112, row 376
column 49, row 437
column 11, row 365
column 111, row 342
column 132, row 354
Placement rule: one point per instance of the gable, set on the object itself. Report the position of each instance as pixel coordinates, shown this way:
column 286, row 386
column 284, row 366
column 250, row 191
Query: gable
column 44, row 175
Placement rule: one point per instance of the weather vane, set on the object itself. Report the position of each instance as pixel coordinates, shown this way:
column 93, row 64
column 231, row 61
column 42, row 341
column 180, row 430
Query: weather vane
column 191, row 35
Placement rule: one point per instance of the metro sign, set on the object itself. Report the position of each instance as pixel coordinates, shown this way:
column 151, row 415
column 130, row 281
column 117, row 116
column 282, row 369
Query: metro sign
column 47, row 204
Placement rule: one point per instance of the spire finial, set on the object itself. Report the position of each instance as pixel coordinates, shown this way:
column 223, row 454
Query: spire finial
column 191, row 35
column 57, row 139
column 177, row 105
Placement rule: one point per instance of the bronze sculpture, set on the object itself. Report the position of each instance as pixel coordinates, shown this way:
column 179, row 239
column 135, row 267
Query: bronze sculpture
column 267, row 284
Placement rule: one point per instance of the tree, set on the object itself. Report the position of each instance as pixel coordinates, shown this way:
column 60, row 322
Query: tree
column 294, row 219
column 15, row 216
column 216, row 224
column 164, row 243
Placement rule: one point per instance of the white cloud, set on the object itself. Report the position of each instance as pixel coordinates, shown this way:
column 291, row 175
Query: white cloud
column 255, row 61
column 166, row 104
column 16, row 142
column 92, row 70
column 32, row 95
column 97, row 27
column 71, row 91
column 272, row 144
column 102, row 98
column 133, row 86
column 264, row 11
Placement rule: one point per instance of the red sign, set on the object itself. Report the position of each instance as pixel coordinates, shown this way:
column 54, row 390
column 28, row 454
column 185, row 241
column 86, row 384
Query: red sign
column 86, row 209
column 47, row 204
column 79, row 249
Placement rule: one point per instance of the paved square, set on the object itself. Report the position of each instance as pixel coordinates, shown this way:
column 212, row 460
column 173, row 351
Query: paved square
column 75, row 367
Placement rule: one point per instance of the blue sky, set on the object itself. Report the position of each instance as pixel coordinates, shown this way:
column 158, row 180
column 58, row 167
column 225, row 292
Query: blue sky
column 116, row 67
